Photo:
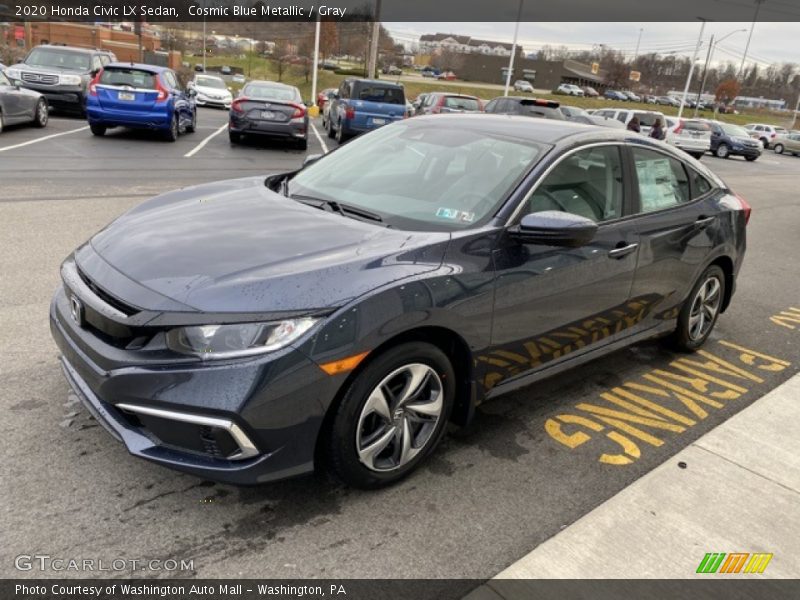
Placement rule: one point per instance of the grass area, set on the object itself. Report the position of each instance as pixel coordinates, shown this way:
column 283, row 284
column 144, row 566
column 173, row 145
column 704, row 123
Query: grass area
column 261, row 68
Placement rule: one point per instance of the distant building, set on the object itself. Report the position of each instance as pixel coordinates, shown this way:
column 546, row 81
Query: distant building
column 435, row 43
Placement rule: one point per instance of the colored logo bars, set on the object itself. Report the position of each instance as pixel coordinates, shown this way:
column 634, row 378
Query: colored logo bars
column 736, row 562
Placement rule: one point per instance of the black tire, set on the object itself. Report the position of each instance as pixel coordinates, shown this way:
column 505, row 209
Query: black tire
column 41, row 114
column 697, row 155
column 2, row 124
column 98, row 130
column 343, row 432
column 331, row 132
column 722, row 151
column 191, row 128
column 750, row 158
column 340, row 137
column 234, row 137
column 171, row 135
column 778, row 148
column 302, row 144
column 765, row 141
column 684, row 339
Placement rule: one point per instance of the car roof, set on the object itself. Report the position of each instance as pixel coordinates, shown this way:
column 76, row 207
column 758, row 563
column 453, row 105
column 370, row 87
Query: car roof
column 275, row 84
column 138, row 66
column 378, row 81
column 70, row 48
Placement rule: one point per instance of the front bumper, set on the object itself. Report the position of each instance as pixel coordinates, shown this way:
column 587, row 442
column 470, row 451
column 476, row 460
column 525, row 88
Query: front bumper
column 205, row 101
column 740, row 150
column 276, row 401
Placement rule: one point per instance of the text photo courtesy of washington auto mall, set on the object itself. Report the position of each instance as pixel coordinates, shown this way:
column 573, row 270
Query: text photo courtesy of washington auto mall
column 400, row 299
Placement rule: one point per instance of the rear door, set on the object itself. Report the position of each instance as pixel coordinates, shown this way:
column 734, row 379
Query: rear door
column 127, row 89
column 376, row 104
column 676, row 222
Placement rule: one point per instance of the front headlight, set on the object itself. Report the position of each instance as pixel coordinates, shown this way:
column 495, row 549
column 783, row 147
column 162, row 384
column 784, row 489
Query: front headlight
column 70, row 79
column 14, row 73
column 239, row 339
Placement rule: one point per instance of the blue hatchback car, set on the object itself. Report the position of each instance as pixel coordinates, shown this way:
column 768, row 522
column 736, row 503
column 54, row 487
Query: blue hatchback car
column 142, row 97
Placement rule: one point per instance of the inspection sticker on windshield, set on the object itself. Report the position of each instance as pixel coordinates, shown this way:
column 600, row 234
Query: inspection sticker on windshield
column 455, row 215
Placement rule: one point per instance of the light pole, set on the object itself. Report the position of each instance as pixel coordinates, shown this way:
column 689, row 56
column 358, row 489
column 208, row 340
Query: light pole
column 691, row 68
column 711, row 47
column 796, row 110
column 513, row 50
column 316, row 65
column 749, row 37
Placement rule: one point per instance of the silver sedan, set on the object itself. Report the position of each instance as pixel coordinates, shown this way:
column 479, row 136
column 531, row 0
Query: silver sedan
column 21, row 105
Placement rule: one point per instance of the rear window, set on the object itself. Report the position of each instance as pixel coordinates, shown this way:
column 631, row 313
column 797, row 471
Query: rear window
column 271, row 92
column 648, row 119
column 530, row 109
column 130, row 77
column 59, row 58
column 371, row 92
column 458, row 103
column 696, row 126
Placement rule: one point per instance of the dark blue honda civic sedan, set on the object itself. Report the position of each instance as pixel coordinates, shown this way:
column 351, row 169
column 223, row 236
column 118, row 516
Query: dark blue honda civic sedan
column 339, row 316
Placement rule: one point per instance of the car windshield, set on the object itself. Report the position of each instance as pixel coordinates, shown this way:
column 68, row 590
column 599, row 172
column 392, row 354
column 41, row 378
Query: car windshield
column 130, row 77
column 649, row 119
column 271, row 92
column 431, row 177
column 212, row 82
column 735, row 130
column 459, row 103
column 59, row 58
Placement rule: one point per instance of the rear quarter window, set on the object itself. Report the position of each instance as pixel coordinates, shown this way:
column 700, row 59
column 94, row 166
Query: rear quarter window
column 458, row 103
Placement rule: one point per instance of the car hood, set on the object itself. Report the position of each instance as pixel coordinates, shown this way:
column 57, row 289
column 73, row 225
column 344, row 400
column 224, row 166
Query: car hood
column 59, row 70
column 212, row 91
column 236, row 246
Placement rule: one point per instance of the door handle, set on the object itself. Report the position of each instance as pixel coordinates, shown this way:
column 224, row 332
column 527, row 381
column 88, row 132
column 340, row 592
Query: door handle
column 623, row 251
column 703, row 221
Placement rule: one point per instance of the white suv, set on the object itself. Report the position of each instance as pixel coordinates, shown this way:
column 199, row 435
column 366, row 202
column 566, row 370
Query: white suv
column 693, row 136
column 569, row 90
column 766, row 133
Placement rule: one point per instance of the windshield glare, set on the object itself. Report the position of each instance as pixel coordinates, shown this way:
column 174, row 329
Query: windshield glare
column 61, row 59
column 429, row 178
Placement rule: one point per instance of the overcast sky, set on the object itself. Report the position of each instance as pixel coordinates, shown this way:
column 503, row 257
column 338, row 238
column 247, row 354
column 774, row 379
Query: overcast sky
column 771, row 42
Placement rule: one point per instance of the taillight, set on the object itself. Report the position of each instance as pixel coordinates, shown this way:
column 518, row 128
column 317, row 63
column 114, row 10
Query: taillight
column 349, row 112
column 94, row 82
column 772, row 135
column 679, row 128
column 745, row 207
column 299, row 112
column 163, row 94
column 236, row 105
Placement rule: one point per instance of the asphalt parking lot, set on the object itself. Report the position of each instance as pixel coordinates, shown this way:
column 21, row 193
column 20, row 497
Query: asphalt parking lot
column 519, row 475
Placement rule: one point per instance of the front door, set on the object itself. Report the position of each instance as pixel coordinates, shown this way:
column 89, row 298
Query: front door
column 555, row 302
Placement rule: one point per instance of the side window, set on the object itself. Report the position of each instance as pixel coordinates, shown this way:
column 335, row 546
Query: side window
column 96, row 63
column 492, row 106
column 104, row 59
column 343, row 90
column 662, row 180
column 622, row 116
column 587, row 183
column 700, row 185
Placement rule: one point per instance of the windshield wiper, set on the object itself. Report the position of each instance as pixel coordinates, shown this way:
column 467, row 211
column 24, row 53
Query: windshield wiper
column 343, row 209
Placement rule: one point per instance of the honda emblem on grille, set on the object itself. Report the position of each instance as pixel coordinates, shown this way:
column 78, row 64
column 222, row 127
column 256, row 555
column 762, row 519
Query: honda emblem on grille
column 76, row 310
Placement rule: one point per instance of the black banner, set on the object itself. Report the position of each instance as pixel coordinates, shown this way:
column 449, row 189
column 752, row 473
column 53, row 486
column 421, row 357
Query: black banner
column 400, row 10
column 715, row 587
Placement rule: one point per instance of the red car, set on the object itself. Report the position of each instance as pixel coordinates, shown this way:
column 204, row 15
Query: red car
column 447, row 76
column 324, row 96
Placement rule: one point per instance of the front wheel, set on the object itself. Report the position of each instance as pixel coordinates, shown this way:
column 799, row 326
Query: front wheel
column 778, row 148
column 340, row 138
column 723, row 151
column 392, row 416
column 700, row 311
column 750, row 158
column 171, row 135
column 302, row 144
column 98, row 130
column 42, row 113
column 192, row 127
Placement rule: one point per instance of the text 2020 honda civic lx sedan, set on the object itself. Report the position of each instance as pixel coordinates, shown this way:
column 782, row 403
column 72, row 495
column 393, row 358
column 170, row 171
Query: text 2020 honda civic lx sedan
column 339, row 316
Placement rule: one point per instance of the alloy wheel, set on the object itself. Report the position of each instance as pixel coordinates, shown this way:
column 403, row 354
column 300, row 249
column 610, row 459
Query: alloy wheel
column 399, row 417
column 41, row 113
column 704, row 308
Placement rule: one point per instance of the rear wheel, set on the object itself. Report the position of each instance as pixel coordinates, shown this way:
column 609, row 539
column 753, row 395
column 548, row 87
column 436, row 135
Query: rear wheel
column 392, row 416
column 42, row 113
column 234, row 137
column 340, row 134
column 697, row 155
column 171, row 135
column 700, row 311
column 778, row 148
column 723, row 151
column 98, row 130
column 331, row 132
column 750, row 158
column 192, row 127
column 303, row 144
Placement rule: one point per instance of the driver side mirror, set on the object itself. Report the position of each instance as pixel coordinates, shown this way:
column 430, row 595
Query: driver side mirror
column 555, row 228
column 191, row 92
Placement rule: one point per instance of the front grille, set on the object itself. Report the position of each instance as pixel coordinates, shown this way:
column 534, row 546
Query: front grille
column 125, row 309
column 42, row 78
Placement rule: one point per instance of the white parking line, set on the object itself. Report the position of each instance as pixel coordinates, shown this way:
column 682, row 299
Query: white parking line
column 319, row 137
column 202, row 144
column 43, row 139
